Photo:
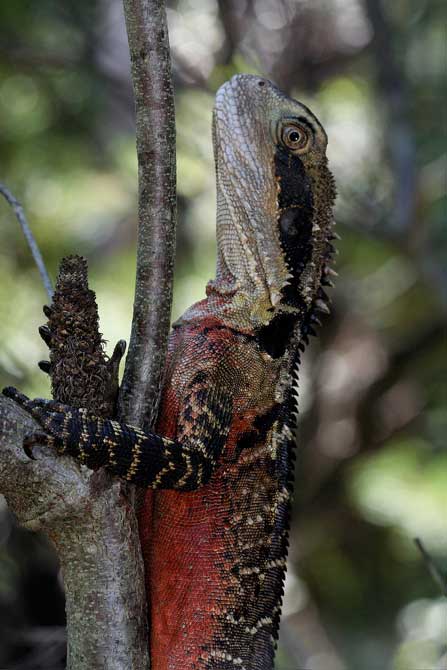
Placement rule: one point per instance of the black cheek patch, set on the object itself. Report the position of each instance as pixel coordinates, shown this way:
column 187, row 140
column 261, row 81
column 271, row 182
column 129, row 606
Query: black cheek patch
column 295, row 203
column 275, row 336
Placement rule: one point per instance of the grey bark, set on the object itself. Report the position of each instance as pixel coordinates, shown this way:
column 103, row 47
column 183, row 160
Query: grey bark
column 155, row 123
column 93, row 528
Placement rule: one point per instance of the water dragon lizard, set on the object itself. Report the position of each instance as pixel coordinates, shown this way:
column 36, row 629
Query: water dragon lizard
column 219, row 467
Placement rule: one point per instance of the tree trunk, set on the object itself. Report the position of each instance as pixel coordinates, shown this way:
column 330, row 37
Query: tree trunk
column 92, row 526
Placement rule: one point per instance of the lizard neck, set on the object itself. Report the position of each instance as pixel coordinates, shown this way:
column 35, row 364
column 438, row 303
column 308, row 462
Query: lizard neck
column 273, row 246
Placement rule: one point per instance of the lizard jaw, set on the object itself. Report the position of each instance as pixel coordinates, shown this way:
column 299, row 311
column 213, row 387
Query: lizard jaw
column 250, row 256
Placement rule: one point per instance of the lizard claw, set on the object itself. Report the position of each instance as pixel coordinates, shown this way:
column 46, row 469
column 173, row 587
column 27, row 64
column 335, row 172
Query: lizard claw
column 45, row 334
column 45, row 366
column 31, row 439
column 114, row 361
column 119, row 351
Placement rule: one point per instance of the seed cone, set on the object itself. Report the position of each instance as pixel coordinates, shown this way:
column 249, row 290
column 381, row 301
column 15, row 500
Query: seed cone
column 81, row 373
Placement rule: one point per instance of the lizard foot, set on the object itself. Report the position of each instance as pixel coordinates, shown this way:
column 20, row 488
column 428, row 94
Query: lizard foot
column 50, row 414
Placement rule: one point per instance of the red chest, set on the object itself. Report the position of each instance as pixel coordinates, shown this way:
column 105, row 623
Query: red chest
column 192, row 541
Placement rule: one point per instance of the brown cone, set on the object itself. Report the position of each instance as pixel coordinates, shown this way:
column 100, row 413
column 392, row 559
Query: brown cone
column 81, row 374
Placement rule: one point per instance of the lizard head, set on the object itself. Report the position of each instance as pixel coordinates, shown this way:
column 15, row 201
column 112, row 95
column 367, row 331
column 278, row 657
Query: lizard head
column 274, row 200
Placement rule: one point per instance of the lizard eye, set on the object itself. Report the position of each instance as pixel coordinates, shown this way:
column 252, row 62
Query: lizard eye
column 294, row 137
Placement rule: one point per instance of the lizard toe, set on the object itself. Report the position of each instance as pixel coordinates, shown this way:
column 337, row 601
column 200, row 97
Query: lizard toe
column 31, row 439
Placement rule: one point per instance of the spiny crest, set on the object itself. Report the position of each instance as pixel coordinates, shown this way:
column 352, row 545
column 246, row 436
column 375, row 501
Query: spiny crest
column 321, row 302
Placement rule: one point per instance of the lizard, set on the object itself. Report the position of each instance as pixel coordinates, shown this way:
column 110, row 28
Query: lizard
column 218, row 468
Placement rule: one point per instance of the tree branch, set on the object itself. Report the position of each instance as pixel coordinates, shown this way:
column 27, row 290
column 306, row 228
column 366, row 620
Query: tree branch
column 155, row 126
column 21, row 218
column 432, row 568
column 91, row 525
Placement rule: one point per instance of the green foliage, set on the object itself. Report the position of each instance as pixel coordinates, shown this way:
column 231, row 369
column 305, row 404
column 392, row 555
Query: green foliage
column 404, row 486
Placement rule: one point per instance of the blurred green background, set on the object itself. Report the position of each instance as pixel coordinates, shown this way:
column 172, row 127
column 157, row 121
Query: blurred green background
column 372, row 466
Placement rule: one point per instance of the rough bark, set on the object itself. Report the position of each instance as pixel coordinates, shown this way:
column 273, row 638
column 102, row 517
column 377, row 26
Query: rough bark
column 155, row 130
column 92, row 526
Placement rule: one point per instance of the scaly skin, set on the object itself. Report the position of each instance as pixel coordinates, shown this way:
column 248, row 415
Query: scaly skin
column 214, row 531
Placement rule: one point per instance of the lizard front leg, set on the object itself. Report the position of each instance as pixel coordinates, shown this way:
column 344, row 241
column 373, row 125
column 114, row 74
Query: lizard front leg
column 135, row 455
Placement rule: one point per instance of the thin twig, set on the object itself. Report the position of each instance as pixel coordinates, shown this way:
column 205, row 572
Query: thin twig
column 21, row 218
column 440, row 580
column 155, row 128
